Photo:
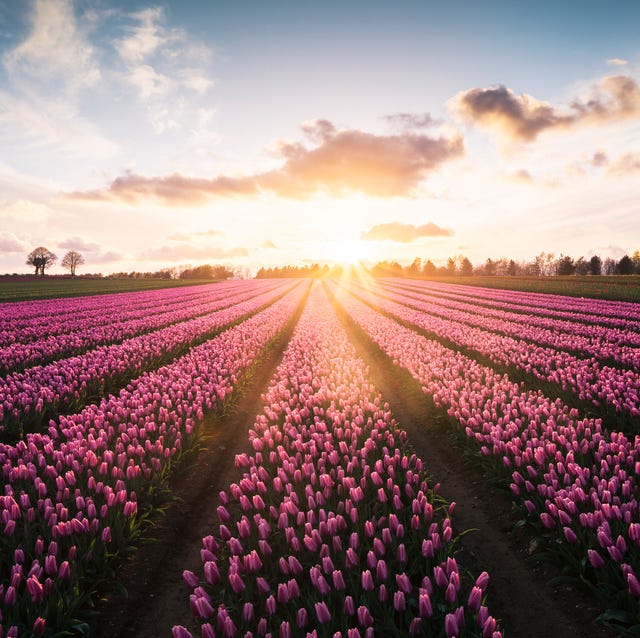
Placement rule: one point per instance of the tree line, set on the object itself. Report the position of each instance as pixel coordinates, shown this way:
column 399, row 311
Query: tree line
column 544, row 264
column 42, row 258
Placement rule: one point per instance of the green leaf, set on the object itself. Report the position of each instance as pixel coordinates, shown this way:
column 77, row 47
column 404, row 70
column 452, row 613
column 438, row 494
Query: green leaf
column 618, row 615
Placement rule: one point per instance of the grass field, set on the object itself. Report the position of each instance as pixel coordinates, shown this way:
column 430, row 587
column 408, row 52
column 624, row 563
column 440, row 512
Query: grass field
column 618, row 287
column 31, row 287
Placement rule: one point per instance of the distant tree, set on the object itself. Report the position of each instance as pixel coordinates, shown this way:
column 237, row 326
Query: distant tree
column 466, row 267
column 595, row 265
column 545, row 263
column 565, row 265
column 635, row 258
column 71, row 261
column 415, row 268
column 429, row 268
column 512, row 268
column 222, row 272
column 450, row 268
column 625, row 266
column 581, row 266
column 609, row 266
column 41, row 258
column 489, row 267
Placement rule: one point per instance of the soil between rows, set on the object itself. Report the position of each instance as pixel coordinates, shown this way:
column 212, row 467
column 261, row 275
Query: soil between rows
column 519, row 594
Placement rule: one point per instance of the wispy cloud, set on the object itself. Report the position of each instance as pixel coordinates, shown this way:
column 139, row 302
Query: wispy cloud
column 617, row 62
column 411, row 120
column 78, row 243
column 45, row 121
column 523, row 117
column 339, row 163
column 185, row 252
column 185, row 237
column 107, row 257
column 45, row 72
column 627, row 163
column 405, row 233
column 159, row 60
column 25, row 212
column 9, row 243
column 522, row 175
column 56, row 50
column 599, row 158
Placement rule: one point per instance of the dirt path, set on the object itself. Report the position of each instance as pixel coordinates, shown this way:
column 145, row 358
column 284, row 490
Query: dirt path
column 157, row 597
column 520, row 595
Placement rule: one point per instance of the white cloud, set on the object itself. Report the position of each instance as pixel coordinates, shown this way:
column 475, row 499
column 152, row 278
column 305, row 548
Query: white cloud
column 142, row 40
column 617, row 62
column 148, row 81
column 56, row 48
column 159, row 60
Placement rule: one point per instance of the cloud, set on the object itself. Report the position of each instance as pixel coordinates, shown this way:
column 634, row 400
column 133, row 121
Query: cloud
column 25, row 212
column 411, row 120
column 9, row 243
column 77, row 243
column 522, row 175
column 186, row 237
column 105, row 258
column 338, row 163
column 523, row 117
column 158, row 60
column 187, row 252
column 404, row 233
column 56, row 49
column 45, row 121
column 598, row 159
column 269, row 244
column 519, row 117
column 617, row 62
column 173, row 189
column 627, row 163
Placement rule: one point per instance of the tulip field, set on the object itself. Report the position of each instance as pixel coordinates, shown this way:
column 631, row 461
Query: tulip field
column 330, row 524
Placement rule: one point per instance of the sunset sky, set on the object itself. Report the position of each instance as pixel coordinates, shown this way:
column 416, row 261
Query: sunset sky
column 263, row 133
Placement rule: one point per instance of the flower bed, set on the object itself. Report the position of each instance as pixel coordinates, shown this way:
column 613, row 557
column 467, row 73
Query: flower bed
column 332, row 530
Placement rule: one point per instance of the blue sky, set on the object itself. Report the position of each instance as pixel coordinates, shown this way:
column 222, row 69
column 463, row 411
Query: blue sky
column 257, row 133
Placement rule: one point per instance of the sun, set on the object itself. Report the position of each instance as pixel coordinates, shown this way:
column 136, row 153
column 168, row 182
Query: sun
column 347, row 252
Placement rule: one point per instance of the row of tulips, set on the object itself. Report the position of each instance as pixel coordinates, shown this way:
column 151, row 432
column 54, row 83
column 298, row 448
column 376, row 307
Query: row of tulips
column 23, row 320
column 618, row 390
column 30, row 398
column 117, row 326
column 578, row 484
column 621, row 314
column 72, row 496
column 332, row 530
column 599, row 342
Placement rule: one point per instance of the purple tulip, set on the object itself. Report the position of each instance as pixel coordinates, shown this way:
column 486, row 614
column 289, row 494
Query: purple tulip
column 364, row 616
column 450, row 626
column 322, row 612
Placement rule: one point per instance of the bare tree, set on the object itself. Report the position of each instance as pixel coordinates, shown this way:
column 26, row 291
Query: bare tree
column 41, row 258
column 72, row 260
